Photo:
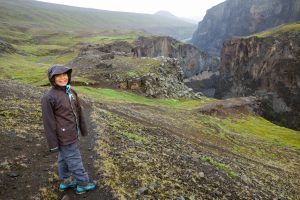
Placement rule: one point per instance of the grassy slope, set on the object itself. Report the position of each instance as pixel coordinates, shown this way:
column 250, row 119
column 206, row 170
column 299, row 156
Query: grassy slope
column 250, row 126
column 286, row 29
column 29, row 14
column 236, row 145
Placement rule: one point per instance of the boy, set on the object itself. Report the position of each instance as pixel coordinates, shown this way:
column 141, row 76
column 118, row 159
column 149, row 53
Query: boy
column 63, row 123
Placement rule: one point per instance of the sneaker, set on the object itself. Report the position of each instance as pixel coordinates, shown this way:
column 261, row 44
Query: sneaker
column 67, row 183
column 83, row 188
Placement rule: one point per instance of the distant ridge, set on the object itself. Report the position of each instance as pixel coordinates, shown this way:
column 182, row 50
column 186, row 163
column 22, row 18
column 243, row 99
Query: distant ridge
column 164, row 13
column 30, row 14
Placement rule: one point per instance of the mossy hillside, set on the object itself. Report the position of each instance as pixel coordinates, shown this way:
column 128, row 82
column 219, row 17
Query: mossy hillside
column 114, row 175
column 264, row 130
column 169, row 165
column 251, row 136
column 23, row 68
column 251, row 126
column 286, row 29
column 231, row 133
column 100, row 37
column 106, row 38
column 32, row 15
column 220, row 166
column 118, row 96
column 12, row 35
column 30, row 68
column 20, row 117
column 43, row 49
column 160, row 164
column 246, row 125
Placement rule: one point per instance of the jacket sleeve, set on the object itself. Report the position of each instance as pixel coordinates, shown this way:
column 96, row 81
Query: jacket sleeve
column 81, row 117
column 49, row 123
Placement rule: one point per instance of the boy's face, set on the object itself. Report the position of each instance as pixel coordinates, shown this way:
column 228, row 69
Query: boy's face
column 61, row 79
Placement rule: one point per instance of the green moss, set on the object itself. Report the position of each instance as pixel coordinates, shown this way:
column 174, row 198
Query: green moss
column 135, row 137
column 14, row 36
column 64, row 58
column 279, row 30
column 111, row 38
column 23, row 68
column 7, row 114
column 41, row 50
column 220, row 166
column 66, row 40
column 262, row 129
column 109, row 95
column 20, row 115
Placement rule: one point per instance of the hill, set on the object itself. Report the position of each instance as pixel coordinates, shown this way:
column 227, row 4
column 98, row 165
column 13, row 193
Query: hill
column 30, row 16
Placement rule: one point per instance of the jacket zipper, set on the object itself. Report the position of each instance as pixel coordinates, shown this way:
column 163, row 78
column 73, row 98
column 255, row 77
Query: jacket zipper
column 74, row 113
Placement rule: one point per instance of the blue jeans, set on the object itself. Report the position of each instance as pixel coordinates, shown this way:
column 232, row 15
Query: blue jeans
column 70, row 164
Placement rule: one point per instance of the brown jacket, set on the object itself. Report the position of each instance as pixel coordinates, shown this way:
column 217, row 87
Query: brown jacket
column 63, row 119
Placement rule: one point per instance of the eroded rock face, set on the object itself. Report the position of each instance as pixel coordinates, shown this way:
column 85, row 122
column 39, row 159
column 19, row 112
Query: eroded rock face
column 167, row 82
column 239, row 17
column 114, row 65
column 266, row 67
column 192, row 60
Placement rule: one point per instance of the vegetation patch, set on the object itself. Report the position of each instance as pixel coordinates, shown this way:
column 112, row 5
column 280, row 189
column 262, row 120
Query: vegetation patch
column 105, row 38
column 42, row 50
column 264, row 130
column 286, row 29
column 135, row 137
column 220, row 166
column 19, row 116
column 131, row 168
column 115, row 96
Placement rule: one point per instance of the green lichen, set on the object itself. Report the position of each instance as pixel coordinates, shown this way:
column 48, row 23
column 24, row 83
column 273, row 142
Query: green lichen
column 225, row 168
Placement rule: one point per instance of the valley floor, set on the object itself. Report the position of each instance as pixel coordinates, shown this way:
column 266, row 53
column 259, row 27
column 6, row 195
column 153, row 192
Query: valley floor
column 148, row 151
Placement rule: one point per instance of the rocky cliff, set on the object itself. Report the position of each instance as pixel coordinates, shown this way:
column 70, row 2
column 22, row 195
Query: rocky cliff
column 155, row 65
column 267, row 67
column 192, row 60
column 113, row 65
column 239, row 17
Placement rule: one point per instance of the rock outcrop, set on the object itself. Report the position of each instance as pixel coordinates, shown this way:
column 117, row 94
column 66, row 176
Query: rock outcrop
column 266, row 67
column 114, row 65
column 192, row 60
column 239, row 17
column 166, row 82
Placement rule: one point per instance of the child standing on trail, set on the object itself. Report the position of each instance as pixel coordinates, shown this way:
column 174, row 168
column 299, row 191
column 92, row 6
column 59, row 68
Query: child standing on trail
column 63, row 124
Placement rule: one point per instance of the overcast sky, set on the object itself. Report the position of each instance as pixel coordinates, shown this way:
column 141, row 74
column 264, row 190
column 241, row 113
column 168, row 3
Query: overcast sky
column 180, row 8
